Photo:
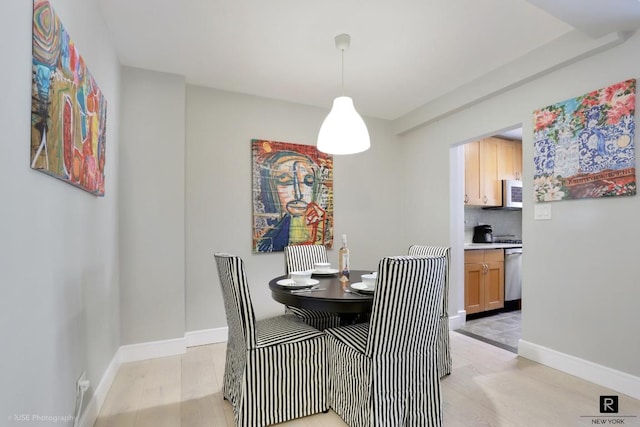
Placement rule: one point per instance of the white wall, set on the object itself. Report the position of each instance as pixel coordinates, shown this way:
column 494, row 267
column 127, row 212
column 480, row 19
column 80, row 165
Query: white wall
column 152, row 189
column 426, row 199
column 580, row 269
column 220, row 127
column 58, row 244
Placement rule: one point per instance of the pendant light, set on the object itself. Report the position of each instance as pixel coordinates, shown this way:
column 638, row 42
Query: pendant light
column 343, row 130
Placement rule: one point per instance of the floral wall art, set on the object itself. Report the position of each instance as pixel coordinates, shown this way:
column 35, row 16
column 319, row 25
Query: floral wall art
column 68, row 110
column 584, row 147
column 292, row 195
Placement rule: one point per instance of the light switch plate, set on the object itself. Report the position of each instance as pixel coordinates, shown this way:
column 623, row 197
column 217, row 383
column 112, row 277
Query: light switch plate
column 542, row 211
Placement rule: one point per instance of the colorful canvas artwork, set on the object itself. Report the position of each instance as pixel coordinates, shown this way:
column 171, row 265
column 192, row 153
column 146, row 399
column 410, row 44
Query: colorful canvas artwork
column 68, row 110
column 292, row 195
column 584, row 147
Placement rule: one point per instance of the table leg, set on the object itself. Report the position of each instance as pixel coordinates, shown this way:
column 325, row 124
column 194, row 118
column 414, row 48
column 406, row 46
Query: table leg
column 353, row 318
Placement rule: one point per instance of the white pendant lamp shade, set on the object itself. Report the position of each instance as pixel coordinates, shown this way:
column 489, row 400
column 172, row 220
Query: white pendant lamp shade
column 343, row 131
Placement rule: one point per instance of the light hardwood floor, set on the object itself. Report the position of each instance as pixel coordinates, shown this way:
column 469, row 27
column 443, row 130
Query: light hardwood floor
column 489, row 386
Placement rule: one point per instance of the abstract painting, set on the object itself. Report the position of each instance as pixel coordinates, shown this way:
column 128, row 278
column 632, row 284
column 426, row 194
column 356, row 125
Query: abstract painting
column 68, row 110
column 584, row 147
column 292, row 196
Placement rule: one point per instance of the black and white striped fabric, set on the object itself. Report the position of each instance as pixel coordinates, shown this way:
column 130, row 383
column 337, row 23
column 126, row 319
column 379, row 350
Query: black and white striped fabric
column 302, row 258
column 384, row 372
column 275, row 369
column 444, row 344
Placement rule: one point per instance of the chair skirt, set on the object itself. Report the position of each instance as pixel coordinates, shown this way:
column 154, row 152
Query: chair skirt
column 444, row 347
column 351, row 399
column 374, row 392
column 260, row 382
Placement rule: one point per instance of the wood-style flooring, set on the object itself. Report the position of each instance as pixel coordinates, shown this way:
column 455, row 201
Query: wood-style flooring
column 489, row 386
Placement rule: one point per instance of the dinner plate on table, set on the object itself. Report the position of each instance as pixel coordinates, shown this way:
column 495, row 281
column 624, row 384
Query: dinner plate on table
column 329, row 272
column 291, row 284
column 361, row 287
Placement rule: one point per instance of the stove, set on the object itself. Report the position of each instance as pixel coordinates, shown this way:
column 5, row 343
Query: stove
column 512, row 241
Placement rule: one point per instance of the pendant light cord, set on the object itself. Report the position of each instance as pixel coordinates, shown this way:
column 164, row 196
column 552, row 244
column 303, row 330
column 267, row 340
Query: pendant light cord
column 342, row 51
column 342, row 44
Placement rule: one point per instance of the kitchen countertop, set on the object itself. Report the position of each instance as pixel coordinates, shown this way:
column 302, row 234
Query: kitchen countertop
column 475, row 246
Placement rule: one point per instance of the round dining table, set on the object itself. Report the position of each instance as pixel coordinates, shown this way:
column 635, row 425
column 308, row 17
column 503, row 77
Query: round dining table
column 331, row 296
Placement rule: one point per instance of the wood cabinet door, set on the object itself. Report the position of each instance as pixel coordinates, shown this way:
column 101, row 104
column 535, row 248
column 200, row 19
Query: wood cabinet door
column 509, row 159
column 517, row 159
column 472, row 187
column 494, row 286
column 473, row 289
column 490, row 184
column 483, row 280
column 481, row 184
column 506, row 158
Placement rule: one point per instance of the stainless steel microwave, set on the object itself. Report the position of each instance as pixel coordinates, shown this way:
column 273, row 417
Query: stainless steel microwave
column 511, row 193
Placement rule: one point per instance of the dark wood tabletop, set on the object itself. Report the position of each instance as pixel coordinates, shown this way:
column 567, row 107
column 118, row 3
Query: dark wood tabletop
column 333, row 298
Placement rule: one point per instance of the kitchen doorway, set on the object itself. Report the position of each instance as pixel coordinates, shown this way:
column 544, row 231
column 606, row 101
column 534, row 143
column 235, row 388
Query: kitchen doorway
column 499, row 322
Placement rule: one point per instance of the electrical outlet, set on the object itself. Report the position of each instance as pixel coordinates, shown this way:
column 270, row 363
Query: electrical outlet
column 81, row 381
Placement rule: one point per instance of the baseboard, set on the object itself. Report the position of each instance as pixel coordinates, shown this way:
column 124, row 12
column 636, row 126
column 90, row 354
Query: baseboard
column 206, row 336
column 144, row 351
column 456, row 322
column 616, row 380
column 90, row 414
column 152, row 350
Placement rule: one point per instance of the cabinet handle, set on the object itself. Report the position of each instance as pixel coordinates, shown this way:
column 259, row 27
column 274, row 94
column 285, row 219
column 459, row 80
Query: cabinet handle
column 466, row 199
column 485, row 200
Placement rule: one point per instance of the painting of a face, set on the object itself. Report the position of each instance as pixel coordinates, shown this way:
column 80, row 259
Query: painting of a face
column 292, row 195
column 295, row 180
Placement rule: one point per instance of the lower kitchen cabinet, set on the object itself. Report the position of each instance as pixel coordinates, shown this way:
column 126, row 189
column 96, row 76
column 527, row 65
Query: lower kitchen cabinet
column 483, row 280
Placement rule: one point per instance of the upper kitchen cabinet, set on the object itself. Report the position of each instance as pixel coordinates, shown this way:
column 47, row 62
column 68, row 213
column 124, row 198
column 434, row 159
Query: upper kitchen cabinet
column 481, row 183
column 509, row 159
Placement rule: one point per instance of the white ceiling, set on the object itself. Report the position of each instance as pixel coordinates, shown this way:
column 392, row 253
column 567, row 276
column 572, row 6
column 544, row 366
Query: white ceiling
column 404, row 53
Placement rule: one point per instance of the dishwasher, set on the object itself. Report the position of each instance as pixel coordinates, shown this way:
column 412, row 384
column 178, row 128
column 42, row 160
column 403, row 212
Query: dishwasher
column 512, row 274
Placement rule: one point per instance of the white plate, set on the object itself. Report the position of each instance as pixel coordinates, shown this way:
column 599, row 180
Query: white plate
column 329, row 272
column 291, row 284
column 361, row 287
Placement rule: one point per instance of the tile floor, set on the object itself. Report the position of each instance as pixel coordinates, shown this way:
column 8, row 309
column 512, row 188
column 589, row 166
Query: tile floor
column 502, row 329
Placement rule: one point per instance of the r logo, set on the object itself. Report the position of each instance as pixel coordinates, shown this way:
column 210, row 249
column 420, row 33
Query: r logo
column 608, row 404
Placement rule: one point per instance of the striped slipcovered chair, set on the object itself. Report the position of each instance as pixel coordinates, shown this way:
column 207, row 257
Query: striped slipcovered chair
column 444, row 345
column 385, row 372
column 275, row 369
column 301, row 258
